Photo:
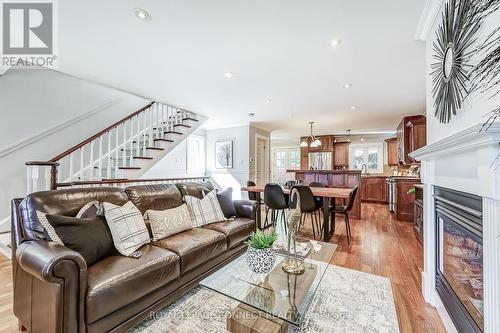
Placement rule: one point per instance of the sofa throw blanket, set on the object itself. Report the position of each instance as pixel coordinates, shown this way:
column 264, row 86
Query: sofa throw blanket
column 204, row 211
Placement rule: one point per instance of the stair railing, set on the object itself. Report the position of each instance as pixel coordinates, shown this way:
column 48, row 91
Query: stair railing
column 107, row 153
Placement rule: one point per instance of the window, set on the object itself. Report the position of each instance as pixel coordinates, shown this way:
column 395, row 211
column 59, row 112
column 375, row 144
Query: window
column 370, row 154
column 284, row 159
column 196, row 154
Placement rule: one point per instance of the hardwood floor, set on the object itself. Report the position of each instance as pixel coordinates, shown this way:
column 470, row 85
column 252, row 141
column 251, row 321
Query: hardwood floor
column 380, row 245
column 383, row 246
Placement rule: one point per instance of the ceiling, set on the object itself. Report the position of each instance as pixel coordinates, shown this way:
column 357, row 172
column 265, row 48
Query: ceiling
column 277, row 49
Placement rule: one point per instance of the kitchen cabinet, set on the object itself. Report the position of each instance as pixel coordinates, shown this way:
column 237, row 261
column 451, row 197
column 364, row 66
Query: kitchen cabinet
column 341, row 155
column 418, row 222
column 374, row 189
column 405, row 210
column 326, row 146
column 411, row 135
column 392, row 151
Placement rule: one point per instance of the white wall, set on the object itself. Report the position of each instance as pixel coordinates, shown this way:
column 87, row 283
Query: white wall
column 174, row 164
column 237, row 176
column 43, row 113
column 475, row 107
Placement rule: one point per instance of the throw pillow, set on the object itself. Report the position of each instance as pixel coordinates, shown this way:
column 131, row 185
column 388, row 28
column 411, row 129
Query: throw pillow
column 91, row 209
column 90, row 237
column 127, row 227
column 168, row 222
column 225, row 199
column 49, row 230
column 204, row 211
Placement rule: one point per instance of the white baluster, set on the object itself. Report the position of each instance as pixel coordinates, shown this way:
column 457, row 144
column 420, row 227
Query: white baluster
column 71, row 170
column 108, row 159
column 29, row 179
column 91, row 161
column 82, row 152
column 100, row 157
column 35, row 176
column 138, row 136
column 131, row 141
column 151, row 126
column 144, row 132
column 124, row 145
column 117, row 147
column 47, row 176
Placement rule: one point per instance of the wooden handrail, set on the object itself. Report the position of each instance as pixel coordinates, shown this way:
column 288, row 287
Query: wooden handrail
column 95, row 136
column 42, row 163
column 125, row 181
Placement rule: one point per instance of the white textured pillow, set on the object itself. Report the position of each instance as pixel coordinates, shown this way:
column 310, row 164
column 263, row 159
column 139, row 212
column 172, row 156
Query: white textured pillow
column 204, row 211
column 48, row 227
column 127, row 227
column 168, row 222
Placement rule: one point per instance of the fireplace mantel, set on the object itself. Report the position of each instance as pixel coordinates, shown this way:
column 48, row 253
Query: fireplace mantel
column 464, row 162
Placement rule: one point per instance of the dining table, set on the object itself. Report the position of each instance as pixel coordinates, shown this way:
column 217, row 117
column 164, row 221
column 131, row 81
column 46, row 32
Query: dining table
column 327, row 193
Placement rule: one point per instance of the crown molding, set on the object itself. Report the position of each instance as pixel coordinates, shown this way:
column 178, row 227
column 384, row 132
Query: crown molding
column 427, row 18
column 469, row 139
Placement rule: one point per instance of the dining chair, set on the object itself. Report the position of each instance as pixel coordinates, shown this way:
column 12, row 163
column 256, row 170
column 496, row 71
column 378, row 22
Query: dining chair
column 307, row 207
column 252, row 195
column 344, row 210
column 276, row 203
column 318, row 200
column 290, row 183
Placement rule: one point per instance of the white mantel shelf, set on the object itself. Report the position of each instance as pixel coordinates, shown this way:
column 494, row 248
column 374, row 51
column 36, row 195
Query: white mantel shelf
column 472, row 138
column 464, row 162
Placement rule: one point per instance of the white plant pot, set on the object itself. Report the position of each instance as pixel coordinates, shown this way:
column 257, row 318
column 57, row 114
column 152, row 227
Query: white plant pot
column 260, row 260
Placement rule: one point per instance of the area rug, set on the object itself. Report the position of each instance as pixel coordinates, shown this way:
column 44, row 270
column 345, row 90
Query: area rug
column 347, row 301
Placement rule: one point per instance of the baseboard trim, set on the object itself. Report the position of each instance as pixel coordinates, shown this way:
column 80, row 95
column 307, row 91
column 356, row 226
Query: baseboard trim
column 40, row 135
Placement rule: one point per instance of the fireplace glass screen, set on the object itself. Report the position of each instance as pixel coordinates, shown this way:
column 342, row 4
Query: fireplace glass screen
column 462, row 266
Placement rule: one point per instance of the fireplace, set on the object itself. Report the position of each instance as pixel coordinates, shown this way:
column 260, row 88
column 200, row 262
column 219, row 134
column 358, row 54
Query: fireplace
column 459, row 257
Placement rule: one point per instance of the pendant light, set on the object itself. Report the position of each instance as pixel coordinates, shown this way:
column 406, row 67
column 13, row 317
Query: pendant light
column 315, row 142
column 348, row 135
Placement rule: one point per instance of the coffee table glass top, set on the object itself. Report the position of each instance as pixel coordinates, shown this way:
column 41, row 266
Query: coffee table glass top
column 277, row 293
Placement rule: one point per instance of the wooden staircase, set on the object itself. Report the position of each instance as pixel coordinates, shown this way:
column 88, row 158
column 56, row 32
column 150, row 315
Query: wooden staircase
column 120, row 153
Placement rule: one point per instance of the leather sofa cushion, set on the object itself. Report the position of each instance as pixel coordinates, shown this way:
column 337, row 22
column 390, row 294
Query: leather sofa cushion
column 117, row 281
column 236, row 230
column 63, row 202
column 156, row 196
column 195, row 246
column 195, row 189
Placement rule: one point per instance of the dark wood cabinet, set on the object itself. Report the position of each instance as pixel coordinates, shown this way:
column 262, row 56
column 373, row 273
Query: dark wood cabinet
column 374, row 189
column 411, row 135
column 392, row 151
column 341, row 155
column 404, row 200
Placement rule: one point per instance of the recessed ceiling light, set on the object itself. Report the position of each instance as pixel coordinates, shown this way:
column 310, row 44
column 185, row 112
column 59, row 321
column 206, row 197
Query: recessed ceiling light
column 354, row 107
column 348, row 85
column 362, row 139
column 251, row 115
column 142, row 14
column 291, row 115
column 335, row 42
column 229, row 75
column 269, row 100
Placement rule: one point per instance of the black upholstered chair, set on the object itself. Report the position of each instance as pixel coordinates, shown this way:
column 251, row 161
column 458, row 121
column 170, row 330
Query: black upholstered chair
column 307, row 207
column 318, row 200
column 290, row 183
column 252, row 195
column 276, row 203
column 344, row 210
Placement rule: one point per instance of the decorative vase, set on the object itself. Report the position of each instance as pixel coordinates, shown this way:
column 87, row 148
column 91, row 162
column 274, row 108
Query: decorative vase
column 291, row 263
column 260, row 260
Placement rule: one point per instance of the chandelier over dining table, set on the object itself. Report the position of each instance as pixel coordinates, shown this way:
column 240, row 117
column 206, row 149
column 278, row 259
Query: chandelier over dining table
column 315, row 142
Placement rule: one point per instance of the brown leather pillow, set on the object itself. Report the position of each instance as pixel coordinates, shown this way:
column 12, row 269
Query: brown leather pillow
column 90, row 236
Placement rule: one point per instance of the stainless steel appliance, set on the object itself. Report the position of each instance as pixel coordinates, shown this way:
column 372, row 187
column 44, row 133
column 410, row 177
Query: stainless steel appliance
column 320, row 161
column 391, row 183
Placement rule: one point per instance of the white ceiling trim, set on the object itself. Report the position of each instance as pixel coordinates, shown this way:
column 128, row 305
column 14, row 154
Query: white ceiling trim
column 429, row 15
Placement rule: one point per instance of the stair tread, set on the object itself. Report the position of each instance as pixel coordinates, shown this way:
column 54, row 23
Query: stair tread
column 189, row 118
column 129, row 168
column 173, row 132
column 182, row 125
column 155, row 148
column 144, row 157
column 166, row 140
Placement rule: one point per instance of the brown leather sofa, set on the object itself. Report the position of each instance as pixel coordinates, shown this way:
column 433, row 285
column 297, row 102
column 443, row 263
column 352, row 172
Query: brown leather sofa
column 55, row 291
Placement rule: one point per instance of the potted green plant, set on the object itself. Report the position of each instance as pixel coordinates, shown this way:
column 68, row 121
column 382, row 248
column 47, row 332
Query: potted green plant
column 260, row 255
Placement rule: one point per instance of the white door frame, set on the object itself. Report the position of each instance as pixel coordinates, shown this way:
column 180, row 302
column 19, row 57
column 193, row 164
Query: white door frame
column 267, row 161
column 273, row 153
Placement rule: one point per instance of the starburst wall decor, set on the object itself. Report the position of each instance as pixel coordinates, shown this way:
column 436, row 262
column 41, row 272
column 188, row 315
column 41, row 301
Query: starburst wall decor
column 452, row 53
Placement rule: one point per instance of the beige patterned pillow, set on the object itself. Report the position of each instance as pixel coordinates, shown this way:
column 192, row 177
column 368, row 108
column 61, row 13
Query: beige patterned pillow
column 48, row 227
column 206, row 210
column 127, row 227
column 168, row 222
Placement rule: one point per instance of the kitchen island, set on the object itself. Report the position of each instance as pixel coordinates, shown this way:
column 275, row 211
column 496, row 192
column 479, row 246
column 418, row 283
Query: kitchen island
column 334, row 178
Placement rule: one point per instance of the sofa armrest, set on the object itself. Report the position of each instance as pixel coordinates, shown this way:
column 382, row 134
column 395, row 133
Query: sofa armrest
column 39, row 258
column 246, row 208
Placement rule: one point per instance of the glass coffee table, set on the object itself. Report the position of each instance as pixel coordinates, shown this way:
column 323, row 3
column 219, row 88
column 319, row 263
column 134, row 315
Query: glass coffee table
column 271, row 301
